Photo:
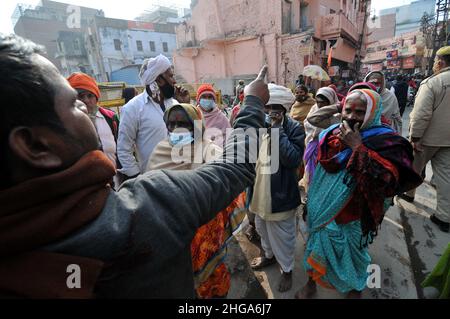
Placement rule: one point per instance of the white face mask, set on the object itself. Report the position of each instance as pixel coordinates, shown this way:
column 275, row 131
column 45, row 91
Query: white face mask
column 207, row 105
column 180, row 139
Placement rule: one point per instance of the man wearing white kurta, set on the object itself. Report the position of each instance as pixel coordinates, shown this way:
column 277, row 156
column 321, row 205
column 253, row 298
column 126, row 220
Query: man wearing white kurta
column 142, row 126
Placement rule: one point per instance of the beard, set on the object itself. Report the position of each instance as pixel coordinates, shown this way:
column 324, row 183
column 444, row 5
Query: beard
column 168, row 91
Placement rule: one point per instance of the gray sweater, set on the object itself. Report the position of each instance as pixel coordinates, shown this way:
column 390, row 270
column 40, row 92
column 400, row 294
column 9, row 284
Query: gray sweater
column 145, row 230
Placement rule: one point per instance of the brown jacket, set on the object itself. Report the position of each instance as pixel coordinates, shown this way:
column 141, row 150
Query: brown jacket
column 430, row 118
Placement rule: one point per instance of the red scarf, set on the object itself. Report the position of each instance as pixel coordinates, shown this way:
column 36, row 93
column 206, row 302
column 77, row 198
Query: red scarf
column 44, row 210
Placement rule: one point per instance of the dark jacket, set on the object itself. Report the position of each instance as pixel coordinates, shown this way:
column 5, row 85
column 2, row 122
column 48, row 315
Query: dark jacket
column 145, row 230
column 401, row 92
column 284, row 183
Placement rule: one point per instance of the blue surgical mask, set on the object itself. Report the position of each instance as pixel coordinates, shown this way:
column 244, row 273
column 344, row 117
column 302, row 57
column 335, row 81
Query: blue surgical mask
column 268, row 119
column 207, row 105
column 180, row 139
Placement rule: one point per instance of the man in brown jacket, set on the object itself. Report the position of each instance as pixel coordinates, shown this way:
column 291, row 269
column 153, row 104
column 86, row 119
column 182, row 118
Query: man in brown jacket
column 430, row 134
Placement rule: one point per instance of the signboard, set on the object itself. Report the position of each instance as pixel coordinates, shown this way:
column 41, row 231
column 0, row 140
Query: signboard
column 393, row 64
column 409, row 63
column 392, row 55
column 377, row 67
column 138, row 25
column 333, row 70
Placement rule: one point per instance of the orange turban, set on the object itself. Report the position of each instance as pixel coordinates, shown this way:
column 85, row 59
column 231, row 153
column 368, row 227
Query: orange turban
column 84, row 82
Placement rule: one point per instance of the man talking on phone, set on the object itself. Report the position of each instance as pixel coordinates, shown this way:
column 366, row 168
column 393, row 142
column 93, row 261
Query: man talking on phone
column 142, row 125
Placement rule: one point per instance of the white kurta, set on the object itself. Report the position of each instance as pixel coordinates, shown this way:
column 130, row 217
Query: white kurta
column 141, row 128
column 106, row 137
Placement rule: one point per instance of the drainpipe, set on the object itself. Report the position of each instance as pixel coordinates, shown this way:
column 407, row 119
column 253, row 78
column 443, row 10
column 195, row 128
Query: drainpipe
column 224, row 61
column 277, row 53
column 218, row 17
column 194, row 69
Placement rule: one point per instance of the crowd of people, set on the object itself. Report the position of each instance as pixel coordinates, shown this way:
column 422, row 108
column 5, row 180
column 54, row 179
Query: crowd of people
column 147, row 203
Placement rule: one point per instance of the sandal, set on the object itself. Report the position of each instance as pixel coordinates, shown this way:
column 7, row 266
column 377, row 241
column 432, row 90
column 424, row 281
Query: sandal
column 262, row 262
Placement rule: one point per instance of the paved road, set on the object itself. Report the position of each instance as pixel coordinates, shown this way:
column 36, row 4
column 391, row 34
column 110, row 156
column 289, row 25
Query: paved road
column 406, row 250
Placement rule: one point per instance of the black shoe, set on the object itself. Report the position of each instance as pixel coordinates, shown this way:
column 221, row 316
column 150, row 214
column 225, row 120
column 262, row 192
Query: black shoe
column 445, row 227
column 408, row 198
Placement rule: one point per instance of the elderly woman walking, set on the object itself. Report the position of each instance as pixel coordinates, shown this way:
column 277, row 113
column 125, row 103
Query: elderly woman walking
column 360, row 164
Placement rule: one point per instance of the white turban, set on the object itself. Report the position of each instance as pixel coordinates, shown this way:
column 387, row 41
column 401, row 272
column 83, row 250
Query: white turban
column 281, row 95
column 155, row 67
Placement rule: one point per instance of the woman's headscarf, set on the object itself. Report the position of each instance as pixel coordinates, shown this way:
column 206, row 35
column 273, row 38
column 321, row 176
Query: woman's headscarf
column 329, row 93
column 163, row 156
column 193, row 113
column 373, row 109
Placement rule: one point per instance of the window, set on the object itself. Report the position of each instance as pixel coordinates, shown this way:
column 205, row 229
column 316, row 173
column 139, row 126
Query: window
column 117, row 45
column 165, row 47
column 76, row 45
column 139, row 46
column 152, row 46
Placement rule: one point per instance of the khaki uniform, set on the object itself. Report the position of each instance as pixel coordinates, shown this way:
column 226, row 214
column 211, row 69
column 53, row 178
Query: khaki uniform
column 430, row 121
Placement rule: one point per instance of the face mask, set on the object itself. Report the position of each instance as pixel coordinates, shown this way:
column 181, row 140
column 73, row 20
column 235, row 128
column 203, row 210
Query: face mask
column 207, row 105
column 180, row 139
column 268, row 120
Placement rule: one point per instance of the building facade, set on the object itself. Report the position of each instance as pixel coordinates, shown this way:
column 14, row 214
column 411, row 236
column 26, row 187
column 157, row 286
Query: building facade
column 72, row 54
column 92, row 43
column 44, row 22
column 403, row 54
column 394, row 22
column 113, row 44
column 222, row 43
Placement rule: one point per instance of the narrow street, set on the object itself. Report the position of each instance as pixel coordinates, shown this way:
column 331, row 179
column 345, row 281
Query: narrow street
column 406, row 249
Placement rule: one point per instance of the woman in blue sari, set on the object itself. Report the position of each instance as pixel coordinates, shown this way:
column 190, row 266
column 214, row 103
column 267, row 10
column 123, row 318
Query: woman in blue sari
column 360, row 163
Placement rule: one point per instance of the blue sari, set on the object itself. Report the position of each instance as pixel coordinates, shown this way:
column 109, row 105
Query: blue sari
column 334, row 257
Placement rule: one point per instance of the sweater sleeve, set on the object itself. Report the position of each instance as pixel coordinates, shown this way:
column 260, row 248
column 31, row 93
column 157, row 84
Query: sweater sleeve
column 292, row 146
column 423, row 111
column 323, row 117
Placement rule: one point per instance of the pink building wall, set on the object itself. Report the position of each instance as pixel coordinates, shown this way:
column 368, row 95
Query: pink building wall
column 227, row 40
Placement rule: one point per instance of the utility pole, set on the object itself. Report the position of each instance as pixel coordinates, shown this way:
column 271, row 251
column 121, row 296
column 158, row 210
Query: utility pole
column 361, row 36
column 440, row 32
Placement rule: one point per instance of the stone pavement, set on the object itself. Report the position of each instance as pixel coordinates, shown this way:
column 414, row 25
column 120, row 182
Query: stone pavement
column 406, row 250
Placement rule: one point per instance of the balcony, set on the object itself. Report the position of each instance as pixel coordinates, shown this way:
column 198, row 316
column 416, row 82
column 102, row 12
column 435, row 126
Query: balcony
column 335, row 26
